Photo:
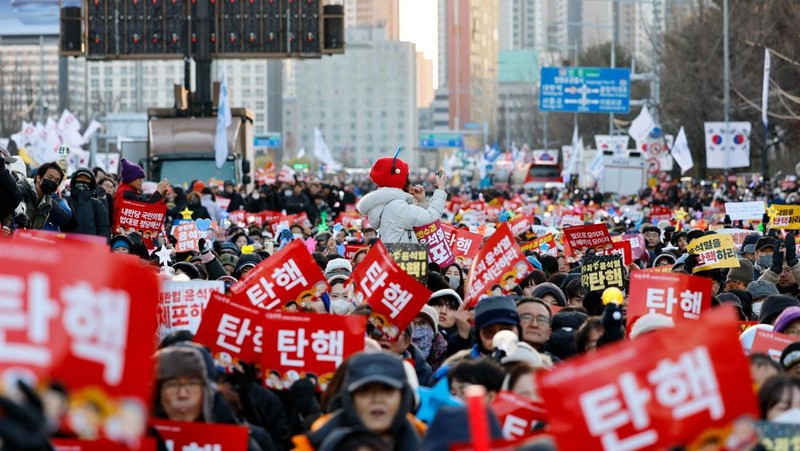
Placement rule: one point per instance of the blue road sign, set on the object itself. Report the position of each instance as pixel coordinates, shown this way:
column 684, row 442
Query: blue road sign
column 585, row 90
column 270, row 141
column 438, row 140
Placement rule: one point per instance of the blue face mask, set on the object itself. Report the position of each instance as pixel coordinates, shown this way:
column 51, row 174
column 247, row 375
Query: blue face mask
column 765, row 261
column 423, row 338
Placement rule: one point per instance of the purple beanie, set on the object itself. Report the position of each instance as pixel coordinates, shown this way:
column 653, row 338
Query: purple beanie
column 787, row 317
column 130, row 171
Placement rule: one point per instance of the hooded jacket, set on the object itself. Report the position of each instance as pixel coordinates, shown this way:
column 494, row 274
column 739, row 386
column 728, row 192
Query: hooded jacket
column 392, row 211
column 91, row 215
column 41, row 212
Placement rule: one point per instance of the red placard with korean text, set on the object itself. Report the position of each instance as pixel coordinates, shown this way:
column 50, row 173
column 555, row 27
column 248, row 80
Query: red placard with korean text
column 579, row 238
column 544, row 245
column 181, row 304
column 660, row 213
column 638, row 244
column 84, row 317
column 187, row 235
column 289, row 275
column 237, row 217
column 658, row 391
column 499, row 262
column 65, row 444
column 349, row 219
column 439, row 250
column 680, row 296
column 231, row 331
column 622, row 248
column 465, row 244
column 303, row 344
column 146, row 219
column 395, row 297
column 771, row 343
column 517, row 415
column 284, row 222
column 48, row 236
column 350, row 250
column 520, row 224
column 187, row 436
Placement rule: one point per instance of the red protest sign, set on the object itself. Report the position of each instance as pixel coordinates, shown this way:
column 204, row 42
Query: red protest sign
column 660, row 213
column 577, row 239
column 679, row 296
column 187, row 235
column 349, row 219
column 545, row 245
column 571, row 219
column 395, row 297
column 465, row 245
column 304, row 344
column 517, row 415
column 638, row 245
column 237, row 216
column 181, row 304
column 350, row 250
column 658, row 391
column 771, row 343
column 65, row 444
column 439, row 250
column 83, row 317
column 51, row 237
column 621, row 248
column 146, row 219
column 231, row 331
column 182, row 435
column 289, row 275
column 520, row 225
column 500, row 262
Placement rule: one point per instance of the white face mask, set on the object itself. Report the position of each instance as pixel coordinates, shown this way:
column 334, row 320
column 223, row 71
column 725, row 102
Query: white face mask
column 757, row 307
column 255, row 196
column 453, row 282
column 341, row 306
column 790, row 416
column 287, row 193
column 297, row 236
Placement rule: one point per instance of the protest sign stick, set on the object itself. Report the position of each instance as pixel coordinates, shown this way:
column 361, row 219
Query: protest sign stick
column 478, row 420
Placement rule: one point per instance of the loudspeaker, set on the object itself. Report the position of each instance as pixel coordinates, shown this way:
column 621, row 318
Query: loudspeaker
column 333, row 26
column 71, row 36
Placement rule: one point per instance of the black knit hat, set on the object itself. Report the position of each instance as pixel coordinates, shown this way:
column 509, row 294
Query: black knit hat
column 774, row 305
column 790, row 356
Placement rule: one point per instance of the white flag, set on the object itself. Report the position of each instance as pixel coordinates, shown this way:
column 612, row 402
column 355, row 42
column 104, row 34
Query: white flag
column 765, row 89
column 618, row 144
column 223, row 122
column 681, row 152
column 727, row 146
column 597, row 167
column 301, row 153
column 68, row 122
column 322, row 153
column 90, row 131
column 642, row 125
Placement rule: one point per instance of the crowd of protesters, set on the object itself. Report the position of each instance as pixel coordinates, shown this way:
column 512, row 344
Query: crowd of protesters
column 373, row 396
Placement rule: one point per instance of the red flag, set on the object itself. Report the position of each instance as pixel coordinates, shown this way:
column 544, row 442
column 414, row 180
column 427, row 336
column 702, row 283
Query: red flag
column 289, row 275
column 680, row 296
column 500, row 262
column 86, row 318
column 231, row 331
column 304, row 344
column 658, row 391
column 182, row 435
column 395, row 297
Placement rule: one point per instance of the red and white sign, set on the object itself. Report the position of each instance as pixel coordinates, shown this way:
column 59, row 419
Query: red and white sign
column 658, row 391
column 465, row 244
column 679, row 296
column 141, row 217
column 622, row 248
column 222, row 203
column 544, row 245
column 84, row 317
column 499, row 262
column 571, row 219
column 395, row 297
column 238, row 217
column 187, row 235
column 579, row 238
column 517, row 415
column 289, row 275
column 48, row 236
column 187, row 436
column 660, row 213
column 303, row 344
column 231, row 331
column 638, row 244
column 520, row 225
column 439, row 250
column 65, row 444
column 181, row 304
column 349, row 219
column 771, row 343
column 350, row 250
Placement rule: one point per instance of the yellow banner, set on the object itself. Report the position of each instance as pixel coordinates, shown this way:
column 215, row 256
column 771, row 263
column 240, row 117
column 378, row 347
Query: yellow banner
column 784, row 217
column 714, row 251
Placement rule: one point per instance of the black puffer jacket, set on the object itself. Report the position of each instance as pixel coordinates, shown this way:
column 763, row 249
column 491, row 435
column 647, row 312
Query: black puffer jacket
column 90, row 214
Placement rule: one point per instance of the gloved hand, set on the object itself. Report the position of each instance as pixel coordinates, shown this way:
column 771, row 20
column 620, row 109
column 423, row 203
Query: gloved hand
column 791, row 249
column 727, row 221
column 22, row 426
column 777, row 261
column 765, row 221
column 690, row 263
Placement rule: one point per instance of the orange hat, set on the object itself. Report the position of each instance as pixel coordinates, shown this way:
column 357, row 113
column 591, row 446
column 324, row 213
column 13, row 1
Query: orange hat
column 390, row 172
column 198, row 186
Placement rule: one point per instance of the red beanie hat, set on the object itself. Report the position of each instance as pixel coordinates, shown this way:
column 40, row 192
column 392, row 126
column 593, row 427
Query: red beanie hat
column 389, row 172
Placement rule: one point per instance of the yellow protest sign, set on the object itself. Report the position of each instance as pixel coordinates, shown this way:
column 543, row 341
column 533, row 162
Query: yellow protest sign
column 713, row 251
column 784, row 217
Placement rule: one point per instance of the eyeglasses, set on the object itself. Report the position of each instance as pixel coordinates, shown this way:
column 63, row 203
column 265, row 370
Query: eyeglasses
column 175, row 385
column 529, row 318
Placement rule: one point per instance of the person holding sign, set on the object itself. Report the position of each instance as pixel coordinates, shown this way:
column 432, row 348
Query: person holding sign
column 132, row 177
column 396, row 207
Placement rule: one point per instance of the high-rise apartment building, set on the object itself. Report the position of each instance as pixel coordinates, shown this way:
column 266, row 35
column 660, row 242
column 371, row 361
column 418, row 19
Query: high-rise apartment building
column 374, row 13
column 521, row 24
column 424, row 81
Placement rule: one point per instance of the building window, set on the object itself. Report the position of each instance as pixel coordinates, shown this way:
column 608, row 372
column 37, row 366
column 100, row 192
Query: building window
column 123, row 82
column 95, row 84
column 95, row 71
column 107, row 70
column 108, row 82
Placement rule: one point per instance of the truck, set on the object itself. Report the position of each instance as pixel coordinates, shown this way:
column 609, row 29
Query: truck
column 181, row 148
column 543, row 172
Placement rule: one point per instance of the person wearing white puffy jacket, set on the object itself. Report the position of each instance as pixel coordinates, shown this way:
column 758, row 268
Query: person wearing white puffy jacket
column 396, row 207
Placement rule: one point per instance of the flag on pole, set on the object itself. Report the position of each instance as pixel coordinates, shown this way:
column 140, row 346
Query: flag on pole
column 597, row 167
column 322, row 153
column 642, row 125
column 301, row 153
column 765, row 89
column 90, row 131
column 681, row 152
column 223, row 122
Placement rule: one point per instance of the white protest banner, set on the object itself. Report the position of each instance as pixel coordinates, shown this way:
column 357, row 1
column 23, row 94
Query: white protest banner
column 618, row 144
column 727, row 146
column 642, row 125
column 181, row 304
column 745, row 210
